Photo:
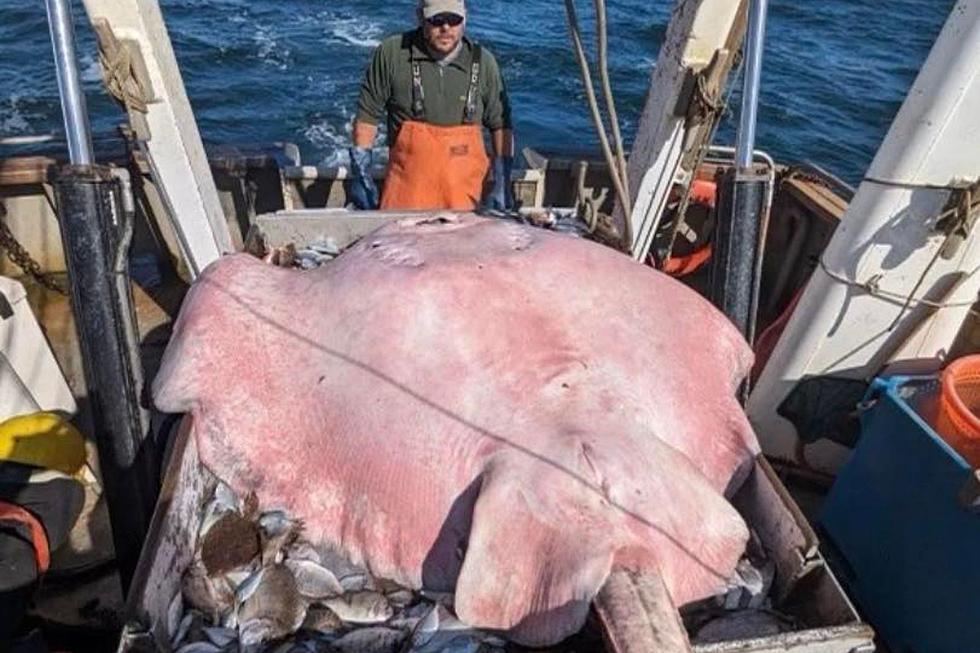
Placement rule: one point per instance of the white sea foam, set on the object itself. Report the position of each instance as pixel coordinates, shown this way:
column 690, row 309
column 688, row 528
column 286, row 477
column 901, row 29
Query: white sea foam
column 353, row 30
column 332, row 137
column 89, row 69
column 271, row 51
column 13, row 118
column 325, row 134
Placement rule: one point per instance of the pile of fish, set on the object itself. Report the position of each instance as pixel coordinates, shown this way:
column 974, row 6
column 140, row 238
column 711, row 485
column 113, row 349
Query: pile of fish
column 308, row 257
column 320, row 252
column 746, row 610
column 257, row 585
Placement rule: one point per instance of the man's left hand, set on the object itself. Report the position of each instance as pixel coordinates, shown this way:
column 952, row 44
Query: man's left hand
column 501, row 198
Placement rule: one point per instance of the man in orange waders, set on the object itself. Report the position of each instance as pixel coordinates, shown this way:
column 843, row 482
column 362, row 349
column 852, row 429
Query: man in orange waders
column 438, row 90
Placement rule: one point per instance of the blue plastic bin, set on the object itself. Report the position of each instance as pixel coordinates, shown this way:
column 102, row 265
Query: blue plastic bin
column 896, row 518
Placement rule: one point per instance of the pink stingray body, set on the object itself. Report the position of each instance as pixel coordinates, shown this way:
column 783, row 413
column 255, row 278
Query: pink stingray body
column 473, row 405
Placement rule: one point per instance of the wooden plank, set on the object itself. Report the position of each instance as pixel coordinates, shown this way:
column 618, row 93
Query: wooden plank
column 698, row 51
column 301, row 228
column 170, row 543
column 638, row 615
column 25, row 171
column 856, row 638
column 160, row 113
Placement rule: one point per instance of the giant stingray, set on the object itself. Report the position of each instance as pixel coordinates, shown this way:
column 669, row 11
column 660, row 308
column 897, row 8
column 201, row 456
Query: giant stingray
column 476, row 406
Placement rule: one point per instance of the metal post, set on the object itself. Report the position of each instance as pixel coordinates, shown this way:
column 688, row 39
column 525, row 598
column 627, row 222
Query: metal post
column 754, row 46
column 738, row 240
column 72, row 98
column 737, row 247
column 96, row 229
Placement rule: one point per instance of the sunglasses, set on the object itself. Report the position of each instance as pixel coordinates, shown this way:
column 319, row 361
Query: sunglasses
column 453, row 20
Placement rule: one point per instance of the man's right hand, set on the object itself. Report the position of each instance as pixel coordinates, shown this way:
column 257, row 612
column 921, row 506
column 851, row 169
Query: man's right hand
column 363, row 191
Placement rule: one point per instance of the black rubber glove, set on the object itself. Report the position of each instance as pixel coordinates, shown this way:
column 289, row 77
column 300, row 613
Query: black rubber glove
column 502, row 196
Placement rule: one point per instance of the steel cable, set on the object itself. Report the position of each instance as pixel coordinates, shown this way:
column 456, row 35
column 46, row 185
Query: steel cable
column 602, row 42
column 611, row 159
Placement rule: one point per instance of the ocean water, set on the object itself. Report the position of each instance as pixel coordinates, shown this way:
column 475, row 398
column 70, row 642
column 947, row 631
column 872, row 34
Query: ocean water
column 262, row 71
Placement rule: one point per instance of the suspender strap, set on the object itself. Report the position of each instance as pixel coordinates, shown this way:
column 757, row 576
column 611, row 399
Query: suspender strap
column 418, row 92
column 469, row 115
column 39, row 538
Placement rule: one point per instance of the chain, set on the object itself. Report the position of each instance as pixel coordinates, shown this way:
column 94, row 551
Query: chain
column 22, row 258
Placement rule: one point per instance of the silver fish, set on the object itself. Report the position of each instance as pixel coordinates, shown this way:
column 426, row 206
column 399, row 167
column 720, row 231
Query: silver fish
column 321, row 619
column 307, row 259
column 749, row 587
column 409, row 618
column 211, row 596
column 371, row 640
column 429, row 626
column 225, row 496
column 279, row 532
column 361, row 608
column 229, row 620
column 345, row 571
column 741, row 625
column 200, row 647
column 275, row 522
column 440, row 631
column 451, row 644
column 239, row 576
column 273, row 607
column 357, row 582
column 328, row 247
column 401, row 598
column 313, row 581
column 408, row 624
column 286, row 647
column 254, row 633
column 302, row 550
column 220, row 637
column 246, row 589
column 192, row 621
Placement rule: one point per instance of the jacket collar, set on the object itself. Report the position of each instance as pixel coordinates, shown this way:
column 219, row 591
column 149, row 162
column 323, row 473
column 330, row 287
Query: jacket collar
column 421, row 53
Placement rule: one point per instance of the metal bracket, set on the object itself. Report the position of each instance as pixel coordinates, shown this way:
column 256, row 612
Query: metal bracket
column 970, row 494
column 958, row 218
column 586, row 200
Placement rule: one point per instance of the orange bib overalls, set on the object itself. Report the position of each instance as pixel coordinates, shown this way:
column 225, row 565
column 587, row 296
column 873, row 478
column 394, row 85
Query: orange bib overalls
column 434, row 167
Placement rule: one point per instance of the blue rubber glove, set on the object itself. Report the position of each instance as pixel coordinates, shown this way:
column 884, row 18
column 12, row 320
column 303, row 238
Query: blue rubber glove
column 502, row 196
column 363, row 191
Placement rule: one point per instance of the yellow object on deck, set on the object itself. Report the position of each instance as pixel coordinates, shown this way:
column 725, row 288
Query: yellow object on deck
column 43, row 440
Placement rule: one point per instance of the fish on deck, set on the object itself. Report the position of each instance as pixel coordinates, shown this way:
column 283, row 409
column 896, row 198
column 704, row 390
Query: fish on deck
column 471, row 405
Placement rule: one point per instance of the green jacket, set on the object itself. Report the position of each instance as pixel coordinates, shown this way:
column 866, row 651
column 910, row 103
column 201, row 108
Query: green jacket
column 387, row 86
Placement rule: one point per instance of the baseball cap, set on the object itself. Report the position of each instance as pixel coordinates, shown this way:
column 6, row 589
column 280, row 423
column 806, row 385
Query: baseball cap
column 432, row 8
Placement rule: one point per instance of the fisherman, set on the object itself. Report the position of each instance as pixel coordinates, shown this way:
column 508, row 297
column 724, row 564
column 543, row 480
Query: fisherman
column 436, row 87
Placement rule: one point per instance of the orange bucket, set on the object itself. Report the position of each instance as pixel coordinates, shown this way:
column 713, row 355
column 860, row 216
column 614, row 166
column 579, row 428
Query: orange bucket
column 958, row 420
